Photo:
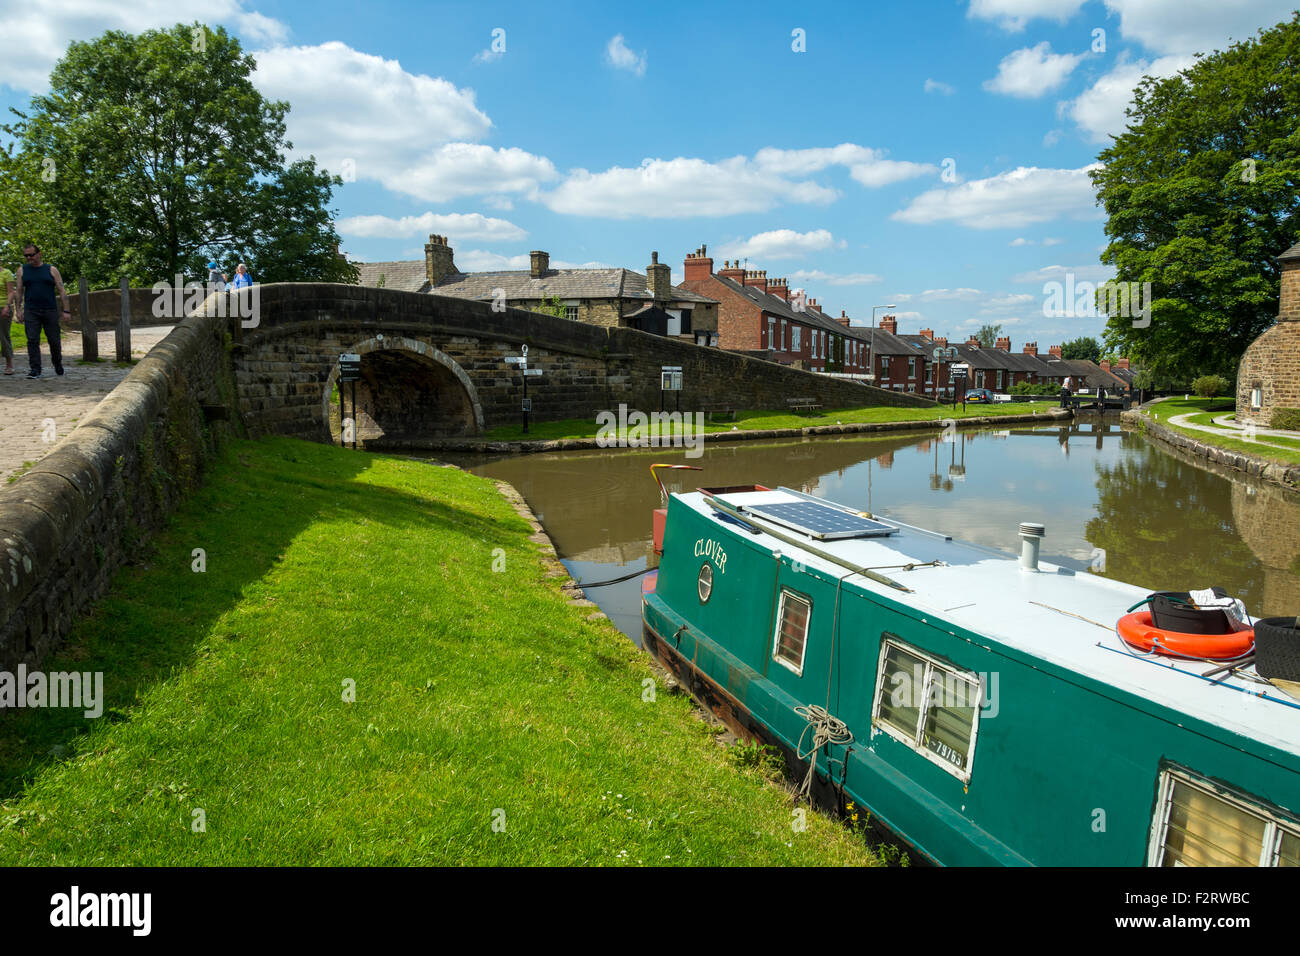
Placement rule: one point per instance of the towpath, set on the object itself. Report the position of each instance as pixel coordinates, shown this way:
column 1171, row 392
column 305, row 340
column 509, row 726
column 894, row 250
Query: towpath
column 1227, row 428
column 26, row 405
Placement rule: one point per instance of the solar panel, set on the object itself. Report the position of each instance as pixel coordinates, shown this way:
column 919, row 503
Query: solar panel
column 820, row 521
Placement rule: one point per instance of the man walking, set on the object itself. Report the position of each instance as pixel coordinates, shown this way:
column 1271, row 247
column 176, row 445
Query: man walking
column 37, row 283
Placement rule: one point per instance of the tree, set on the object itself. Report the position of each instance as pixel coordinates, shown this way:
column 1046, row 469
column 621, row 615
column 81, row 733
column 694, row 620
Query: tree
column 1201, row 194
column 159, row 153
column 988, row 335
column 1084, row 347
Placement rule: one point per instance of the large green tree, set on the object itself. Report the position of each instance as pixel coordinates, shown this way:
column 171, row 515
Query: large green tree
column 988, row 335
column 159, row 153
column 1084, row 347
column 1201, row 194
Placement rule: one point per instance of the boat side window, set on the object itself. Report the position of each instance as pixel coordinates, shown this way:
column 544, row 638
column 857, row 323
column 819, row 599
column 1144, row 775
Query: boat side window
column 1197, row 824
column 791, row 636
column 927, row 704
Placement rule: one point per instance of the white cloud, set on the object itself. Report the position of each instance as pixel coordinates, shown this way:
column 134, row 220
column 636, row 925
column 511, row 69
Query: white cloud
column 935, row 86
column 1032, row 71
column 1012, row 15
column 1000, row 302
column 1089, row 273
column 481, row 260
column 1099, row 110
column 832, row 278
column 781, row 244
column 680, row 188
column 1195, row 26
column 621, row 57
column 36, row 38
column 866, row 165
column 1021, row 242
column 1051, row 138
column 1009, row 200
column 468, row 169
column 352, row 105
column 454, row 225
column 1052, row 242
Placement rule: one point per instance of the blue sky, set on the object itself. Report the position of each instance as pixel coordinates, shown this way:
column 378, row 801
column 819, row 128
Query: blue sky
column 932, row 155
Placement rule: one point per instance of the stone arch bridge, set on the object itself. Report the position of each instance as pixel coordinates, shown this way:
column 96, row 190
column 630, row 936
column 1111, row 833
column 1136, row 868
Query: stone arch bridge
column 433, row 366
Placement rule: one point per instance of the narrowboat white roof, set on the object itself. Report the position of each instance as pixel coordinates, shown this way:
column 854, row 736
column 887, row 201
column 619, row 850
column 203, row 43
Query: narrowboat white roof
column 1059, row 615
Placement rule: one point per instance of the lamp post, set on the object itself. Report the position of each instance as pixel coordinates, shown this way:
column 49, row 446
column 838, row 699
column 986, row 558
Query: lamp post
column 871, row 344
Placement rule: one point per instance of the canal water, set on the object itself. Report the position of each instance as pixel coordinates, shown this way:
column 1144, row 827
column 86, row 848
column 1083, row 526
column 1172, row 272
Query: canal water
column 1112, row 502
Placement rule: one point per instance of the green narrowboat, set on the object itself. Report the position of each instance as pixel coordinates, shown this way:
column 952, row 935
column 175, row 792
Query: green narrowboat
column 983, row 709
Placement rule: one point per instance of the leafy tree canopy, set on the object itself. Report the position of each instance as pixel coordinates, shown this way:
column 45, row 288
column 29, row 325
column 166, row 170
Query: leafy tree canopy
column 153, row 153
column 1201, row 194
column 988, row 335
column 1084, row 347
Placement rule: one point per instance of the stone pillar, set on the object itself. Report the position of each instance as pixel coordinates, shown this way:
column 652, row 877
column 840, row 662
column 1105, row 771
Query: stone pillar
column 123, row 337
column 89, row 334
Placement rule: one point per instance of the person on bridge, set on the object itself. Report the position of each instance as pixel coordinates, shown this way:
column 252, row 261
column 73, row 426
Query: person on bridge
column 242, row 279
column 37, row 283
column 216, row 278
column 6, row 317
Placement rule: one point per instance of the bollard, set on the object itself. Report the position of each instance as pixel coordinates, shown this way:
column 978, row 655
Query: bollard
column 89, row 334
column 123, row 336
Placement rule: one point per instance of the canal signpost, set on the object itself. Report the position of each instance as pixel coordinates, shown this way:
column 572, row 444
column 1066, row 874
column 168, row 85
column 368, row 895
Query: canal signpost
column 349, row 371
column 958, row 372
column 670, row 380
column 522, row 362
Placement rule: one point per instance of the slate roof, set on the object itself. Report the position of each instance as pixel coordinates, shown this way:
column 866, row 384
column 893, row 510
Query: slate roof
column 562, row 283
column 407, row 276
column 777, row 306
column 1292, row 253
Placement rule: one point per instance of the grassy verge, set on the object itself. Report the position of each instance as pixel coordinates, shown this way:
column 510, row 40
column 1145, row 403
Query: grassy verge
column 755, row 420
column 480, row 696
column 1204, row 410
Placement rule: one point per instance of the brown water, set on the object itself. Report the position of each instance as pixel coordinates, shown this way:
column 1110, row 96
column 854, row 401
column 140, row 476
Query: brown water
column 1110, row 500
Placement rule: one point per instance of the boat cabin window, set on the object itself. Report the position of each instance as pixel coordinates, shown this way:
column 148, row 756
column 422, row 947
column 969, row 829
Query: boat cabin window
column 1198, row 824
column 791, row 630
column 928, row 705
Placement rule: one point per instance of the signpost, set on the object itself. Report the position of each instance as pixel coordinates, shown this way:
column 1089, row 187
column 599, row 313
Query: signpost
column 958, row 372
column 522, row 362
column 349, row 371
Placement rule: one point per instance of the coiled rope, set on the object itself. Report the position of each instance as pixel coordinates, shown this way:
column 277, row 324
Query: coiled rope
column 826, row 730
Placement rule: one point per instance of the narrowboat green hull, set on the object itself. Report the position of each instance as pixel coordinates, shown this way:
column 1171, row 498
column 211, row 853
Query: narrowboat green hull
column 1073, row 751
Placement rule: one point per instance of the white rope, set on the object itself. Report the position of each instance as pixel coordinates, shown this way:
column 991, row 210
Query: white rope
column 826, row 730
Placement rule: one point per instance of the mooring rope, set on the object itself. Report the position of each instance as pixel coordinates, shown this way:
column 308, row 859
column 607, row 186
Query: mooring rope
column 826, row 730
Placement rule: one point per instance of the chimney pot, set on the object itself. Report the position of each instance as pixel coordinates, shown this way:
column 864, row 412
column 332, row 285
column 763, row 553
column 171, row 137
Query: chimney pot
column 539, row 262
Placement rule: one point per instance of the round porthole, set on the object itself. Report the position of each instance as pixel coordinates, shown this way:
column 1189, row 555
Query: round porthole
column 705, row 582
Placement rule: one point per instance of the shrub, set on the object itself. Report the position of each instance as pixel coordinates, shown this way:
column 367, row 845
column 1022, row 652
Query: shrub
column 1208, row 386
column 1286, row 418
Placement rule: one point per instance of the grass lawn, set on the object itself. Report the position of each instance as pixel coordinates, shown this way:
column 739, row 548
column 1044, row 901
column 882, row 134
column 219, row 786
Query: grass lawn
column 1205, row 411
column 18, row 336
column 755, row 420
column 481, row 696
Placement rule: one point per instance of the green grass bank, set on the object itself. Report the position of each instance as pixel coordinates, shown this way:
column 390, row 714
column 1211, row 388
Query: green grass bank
column 351, row 682
column 1204, row 411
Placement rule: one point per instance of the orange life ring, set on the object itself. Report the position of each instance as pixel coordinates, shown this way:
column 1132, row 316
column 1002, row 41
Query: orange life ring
column 1137, row 630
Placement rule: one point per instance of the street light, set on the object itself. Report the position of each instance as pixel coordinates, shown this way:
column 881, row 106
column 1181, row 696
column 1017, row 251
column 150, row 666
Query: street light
column 871, row 369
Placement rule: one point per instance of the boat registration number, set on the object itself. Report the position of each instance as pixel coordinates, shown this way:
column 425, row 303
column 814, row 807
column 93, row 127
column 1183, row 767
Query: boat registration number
column 941, row 749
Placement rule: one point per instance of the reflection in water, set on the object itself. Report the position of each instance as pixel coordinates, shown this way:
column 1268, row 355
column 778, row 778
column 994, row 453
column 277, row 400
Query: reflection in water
column 1162, row 522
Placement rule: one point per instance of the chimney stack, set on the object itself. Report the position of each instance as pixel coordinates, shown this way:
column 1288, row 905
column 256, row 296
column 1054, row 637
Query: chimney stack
column 1054, row 351
column 1031, row 348
column 698, row 265
column 1004, row 343
column 659, row 279
column 942, row 341
column 757, row 278
column 1104, row 365
column 844, row 319
column 889, row 323
column 731, row 270
column 814, row 306
column 779, row 288
column 540, row 262
column 927, row 334
column 973, row 342
column 438, row 260
column 1123, row 363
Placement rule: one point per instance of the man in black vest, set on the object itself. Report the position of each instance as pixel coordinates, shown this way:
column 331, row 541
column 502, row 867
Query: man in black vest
column 37, row 284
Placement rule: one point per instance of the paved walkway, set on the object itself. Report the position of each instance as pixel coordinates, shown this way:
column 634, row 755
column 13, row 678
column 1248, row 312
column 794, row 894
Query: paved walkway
column 25, row 405
column 1229, row 429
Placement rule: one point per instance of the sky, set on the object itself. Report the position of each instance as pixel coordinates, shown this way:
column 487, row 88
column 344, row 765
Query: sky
column 932, row 156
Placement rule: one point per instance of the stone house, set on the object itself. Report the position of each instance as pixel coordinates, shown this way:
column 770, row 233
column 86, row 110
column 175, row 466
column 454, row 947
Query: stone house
column 607, row 297
column 1268, row 377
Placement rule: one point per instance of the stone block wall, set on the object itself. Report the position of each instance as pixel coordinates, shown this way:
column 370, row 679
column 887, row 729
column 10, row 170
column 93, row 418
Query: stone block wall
column 71, row 521
column 1272, row 362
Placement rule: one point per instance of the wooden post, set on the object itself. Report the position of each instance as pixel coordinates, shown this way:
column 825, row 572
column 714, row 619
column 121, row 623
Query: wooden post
column 89, row 334
column 124, row 324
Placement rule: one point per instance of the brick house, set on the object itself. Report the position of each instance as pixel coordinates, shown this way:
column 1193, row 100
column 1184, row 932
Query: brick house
column 1268, row 377
column 759, row 316
column 609, row 297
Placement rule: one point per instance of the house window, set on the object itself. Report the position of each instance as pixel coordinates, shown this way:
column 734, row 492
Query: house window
column 791, row 636
column 884, row 366
column 571, row 312
column 979, row 379
column 911, row 368
column 999, row 380
column 1197, row 824
column 1256, row 398
column 930, row 706
column 929, row 375
column 795, row 338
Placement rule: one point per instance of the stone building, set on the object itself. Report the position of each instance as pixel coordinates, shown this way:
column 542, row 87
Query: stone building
column 608, row 297
column 1268, row 378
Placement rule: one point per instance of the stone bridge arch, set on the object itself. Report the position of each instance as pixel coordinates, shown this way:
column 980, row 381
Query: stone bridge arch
column 409, row 390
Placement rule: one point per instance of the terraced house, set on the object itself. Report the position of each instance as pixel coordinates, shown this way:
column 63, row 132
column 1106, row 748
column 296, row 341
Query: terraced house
column 612, row 297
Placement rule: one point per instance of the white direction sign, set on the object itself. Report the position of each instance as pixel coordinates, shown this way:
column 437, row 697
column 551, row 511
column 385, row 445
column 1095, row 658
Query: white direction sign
column 516, row 360
column 532, row 371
